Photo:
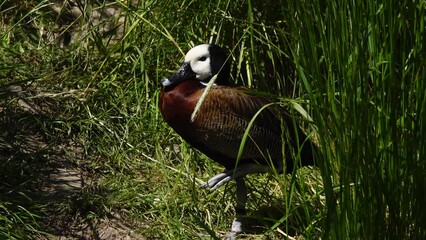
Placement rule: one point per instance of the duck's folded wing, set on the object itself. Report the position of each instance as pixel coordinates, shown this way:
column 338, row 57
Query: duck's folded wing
column 224, row 117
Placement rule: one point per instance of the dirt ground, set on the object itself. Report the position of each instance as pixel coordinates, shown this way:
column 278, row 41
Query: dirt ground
column 49, row 171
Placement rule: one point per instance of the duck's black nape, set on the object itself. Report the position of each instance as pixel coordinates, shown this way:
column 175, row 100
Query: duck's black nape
column 220, row 64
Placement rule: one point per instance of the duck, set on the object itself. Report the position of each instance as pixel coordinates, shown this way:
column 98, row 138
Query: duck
column 226, row 111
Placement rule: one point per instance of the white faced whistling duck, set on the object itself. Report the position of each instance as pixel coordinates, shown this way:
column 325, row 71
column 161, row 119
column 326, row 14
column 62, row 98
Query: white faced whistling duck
column 218, row 128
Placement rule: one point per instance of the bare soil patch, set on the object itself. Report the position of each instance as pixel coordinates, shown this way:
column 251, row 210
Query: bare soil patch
column 46, row 173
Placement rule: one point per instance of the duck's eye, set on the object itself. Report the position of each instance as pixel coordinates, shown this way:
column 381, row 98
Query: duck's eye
column 203, row 58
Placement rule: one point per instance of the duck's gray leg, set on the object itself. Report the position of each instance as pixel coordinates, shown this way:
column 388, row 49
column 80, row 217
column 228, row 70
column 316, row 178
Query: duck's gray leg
column 240, row 209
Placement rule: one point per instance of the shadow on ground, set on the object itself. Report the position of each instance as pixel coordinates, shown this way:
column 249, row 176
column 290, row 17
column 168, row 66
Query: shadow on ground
column 40, row 174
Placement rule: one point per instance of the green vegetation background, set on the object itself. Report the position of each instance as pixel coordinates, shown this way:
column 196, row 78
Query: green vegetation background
column 357, row 68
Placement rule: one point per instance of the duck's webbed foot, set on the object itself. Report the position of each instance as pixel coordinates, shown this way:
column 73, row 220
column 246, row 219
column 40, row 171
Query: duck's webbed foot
column 236, row 174
column 228, row 175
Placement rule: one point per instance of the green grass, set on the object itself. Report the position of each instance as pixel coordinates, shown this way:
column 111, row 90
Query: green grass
column 363, row 68
column 357, row 69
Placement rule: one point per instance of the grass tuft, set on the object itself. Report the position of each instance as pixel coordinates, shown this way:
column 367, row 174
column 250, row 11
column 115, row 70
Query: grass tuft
column 79, row 86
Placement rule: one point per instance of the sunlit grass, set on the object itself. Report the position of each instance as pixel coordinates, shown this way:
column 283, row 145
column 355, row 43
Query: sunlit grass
column 363, row 69
column 357, row 69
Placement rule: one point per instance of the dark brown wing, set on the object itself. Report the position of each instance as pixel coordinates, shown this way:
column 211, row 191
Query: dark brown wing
column 224, row 117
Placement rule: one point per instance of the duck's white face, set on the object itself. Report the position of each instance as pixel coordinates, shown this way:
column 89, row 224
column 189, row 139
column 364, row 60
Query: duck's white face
column 199, row 60
column 201, row 63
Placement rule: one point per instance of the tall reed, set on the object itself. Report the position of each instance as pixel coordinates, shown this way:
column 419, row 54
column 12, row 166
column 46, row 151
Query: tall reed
column 362, row 65
column 357, row 68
